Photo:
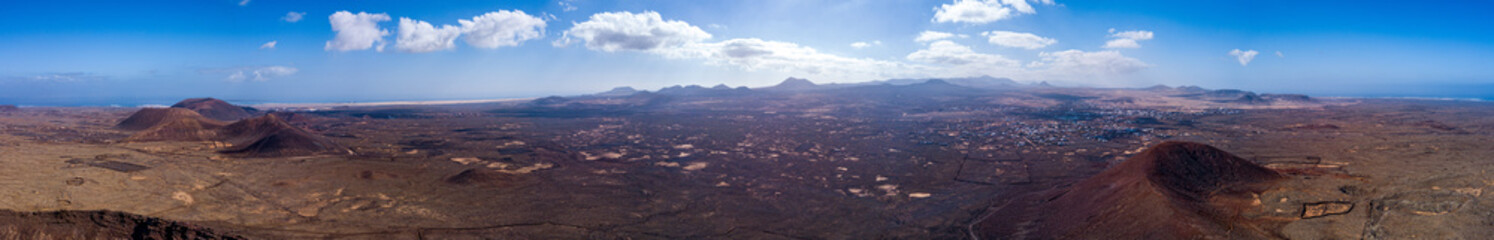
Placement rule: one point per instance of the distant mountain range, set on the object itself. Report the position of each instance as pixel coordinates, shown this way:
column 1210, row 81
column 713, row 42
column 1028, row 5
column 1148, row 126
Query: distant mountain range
column 949, row 85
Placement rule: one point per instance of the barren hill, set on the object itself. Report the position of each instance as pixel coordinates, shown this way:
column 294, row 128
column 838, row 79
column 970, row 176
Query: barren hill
column 1173, row 190
column 214, row 108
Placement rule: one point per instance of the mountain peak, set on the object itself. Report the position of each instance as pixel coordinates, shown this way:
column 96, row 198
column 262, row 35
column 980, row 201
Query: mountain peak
column 618, row 91
column 936, row 82
column 795, row 82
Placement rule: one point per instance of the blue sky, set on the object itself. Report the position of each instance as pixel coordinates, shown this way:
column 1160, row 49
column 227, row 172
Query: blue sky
column 156, row 52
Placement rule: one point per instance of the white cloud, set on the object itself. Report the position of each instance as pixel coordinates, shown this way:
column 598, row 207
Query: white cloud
column 951, row 53
column 648, row 32
column 1076, row 63
column 1018, row 39
column 1243, row 56
column 1020, row 5
column 983, row 11
column 613, row 31
column 930, row 36
column 357, row 31
column 1138, row 35
column 244, row 3
column 268, row 45
column 260, row 74
column 1278, row 54
column 860, row 45
column 941, row 58
column 566, row 5
column 1127, row 39
column 1076, row 66
column 756, row 54
column 419, row 36
column 1122, row 43
column 293, row 16
column 502, row 28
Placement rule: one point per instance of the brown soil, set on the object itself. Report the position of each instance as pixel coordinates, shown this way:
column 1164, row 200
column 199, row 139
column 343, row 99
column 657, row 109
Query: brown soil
column 1173, row 190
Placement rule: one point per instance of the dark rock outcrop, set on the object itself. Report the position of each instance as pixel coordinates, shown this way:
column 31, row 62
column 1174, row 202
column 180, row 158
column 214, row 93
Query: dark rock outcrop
column 98, row 225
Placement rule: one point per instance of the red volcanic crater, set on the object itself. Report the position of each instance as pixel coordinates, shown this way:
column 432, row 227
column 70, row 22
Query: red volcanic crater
column 215, row 109
column 269, row 136
column 1173, row 190
column 146, row 118
column 266, row 136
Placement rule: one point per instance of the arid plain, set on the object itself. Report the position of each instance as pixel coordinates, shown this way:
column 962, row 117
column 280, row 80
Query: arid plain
column 943, row 159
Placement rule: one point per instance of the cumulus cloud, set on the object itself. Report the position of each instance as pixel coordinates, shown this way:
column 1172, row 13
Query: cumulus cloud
column 1081, row 63
column 419, row 36
column 260, row 74
column 860, row 45
column 357, row 31
column 983, row 11
column 613, row 31
column 1018, row 39
column 674, row 39
column 941, row 58
column 1122, row 43
column 1138, row 34
column 951, row 53
column 268, row 45
column 754, row 54
column 1243, row 56
column 1069, row 65
column 293, row 16
column 930, row 36
column 501, row 28
column 1127, row 39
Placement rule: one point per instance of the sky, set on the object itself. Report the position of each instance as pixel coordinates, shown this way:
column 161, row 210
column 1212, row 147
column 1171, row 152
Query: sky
column 71, row 53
